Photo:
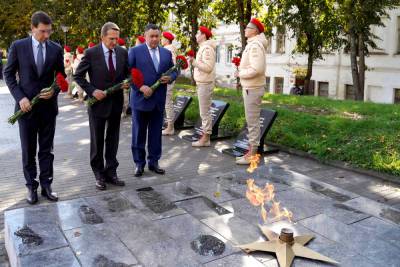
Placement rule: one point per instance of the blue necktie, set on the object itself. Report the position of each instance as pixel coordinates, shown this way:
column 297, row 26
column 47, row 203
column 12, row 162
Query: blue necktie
column 154, row 58
column 39, row 59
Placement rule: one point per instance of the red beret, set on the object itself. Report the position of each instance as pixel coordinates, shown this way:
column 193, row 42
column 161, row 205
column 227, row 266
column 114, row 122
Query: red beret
column 121, row 41
column 141, row 39
column 168, row 35
column 206, row 31
column 67, row 48
column 80, row 49
column 91, row 44
column 258, row 24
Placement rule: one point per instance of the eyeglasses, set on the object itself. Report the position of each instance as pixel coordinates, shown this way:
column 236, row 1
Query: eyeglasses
column 46, row 31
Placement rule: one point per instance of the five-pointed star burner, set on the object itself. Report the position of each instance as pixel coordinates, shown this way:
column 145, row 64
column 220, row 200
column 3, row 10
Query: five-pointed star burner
column 286, row 247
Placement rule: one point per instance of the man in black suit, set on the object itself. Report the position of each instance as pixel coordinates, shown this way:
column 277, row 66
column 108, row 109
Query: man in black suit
column 36, row 59
column 107, row 65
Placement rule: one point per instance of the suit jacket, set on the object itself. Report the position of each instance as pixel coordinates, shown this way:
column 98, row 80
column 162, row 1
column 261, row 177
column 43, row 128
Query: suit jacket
column 21, row 60
column 140, row 58
column 93, row 63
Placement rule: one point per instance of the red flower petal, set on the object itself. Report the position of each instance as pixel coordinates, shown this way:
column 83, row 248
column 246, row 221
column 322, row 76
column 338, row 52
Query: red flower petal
column 236, row 61
column 137, row 77
column 61, row 82
column 190, row 53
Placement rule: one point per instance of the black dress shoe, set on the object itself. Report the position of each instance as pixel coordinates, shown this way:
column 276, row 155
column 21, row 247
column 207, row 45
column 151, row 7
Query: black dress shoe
column 139, row 171
column 115, row 181
column 101, row 185
column 48, row 193
column 32, row 197
column 156, row 169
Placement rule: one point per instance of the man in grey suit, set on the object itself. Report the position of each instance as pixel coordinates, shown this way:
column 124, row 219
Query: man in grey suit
column 107, row 65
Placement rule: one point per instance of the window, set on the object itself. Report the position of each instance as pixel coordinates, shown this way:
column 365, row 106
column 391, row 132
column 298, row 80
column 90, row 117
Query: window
column 218, row 53
column 229, row 53
column 268, row 83
column 278, row 85
column 280, row 41
column 397, row 95
column 323, row 89
column 398, row 34
column 350, row 93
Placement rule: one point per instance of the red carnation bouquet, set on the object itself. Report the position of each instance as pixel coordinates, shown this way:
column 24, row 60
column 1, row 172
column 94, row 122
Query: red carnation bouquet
column 59, row 84
column 181, row 63
column 136, row 78
column 236, row 62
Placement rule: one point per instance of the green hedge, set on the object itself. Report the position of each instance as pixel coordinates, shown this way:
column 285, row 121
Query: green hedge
column 366, row 135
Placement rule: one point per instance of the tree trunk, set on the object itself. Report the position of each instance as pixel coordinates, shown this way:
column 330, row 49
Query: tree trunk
column 307, row 79
column 361, row 67
column 194, row 28
column 353, row 60
column 354, row 64
column 242, row 24
column 310, row 61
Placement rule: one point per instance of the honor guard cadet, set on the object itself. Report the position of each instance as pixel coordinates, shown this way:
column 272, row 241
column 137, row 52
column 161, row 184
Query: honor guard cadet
column 252, row 77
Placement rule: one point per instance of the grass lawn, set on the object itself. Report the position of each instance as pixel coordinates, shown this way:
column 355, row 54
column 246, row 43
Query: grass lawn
column 366, row 135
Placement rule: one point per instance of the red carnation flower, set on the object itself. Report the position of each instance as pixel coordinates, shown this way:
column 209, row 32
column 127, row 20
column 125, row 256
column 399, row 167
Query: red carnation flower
column 190, row 53
column 184, row 64
column 61, row 82
column 137, row 77
column 236, row 61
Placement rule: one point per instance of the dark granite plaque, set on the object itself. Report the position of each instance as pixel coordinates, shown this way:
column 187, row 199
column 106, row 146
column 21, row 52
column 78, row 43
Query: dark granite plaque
column 218, row 109
column 181, row 104
column 241, row 145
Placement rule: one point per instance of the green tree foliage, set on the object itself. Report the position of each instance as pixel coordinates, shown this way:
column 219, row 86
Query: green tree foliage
column 238, row 11
column 188, row 16
column 84, row 18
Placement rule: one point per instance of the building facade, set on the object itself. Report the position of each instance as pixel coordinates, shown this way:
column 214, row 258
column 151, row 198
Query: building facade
column 331, row 76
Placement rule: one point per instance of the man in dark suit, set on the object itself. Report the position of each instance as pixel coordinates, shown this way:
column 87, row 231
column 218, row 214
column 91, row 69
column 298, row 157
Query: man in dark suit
column 148, row 105
column 1, row 65
column 36, row 59
column 107, row 65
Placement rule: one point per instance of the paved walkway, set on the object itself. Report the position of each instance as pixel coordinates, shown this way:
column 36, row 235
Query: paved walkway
column 73, row 177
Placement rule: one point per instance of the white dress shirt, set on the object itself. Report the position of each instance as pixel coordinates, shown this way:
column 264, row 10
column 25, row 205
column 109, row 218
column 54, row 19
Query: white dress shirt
column 106, row 55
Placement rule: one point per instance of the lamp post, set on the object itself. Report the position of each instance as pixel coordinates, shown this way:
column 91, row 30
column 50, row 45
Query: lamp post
column 65, row 30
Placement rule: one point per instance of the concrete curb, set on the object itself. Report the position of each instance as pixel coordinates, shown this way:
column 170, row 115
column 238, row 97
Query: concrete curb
column 339, row 164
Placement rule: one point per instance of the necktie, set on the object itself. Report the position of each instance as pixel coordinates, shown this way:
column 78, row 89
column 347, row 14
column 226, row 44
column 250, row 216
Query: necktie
column 39, row 59
column 111, row 68
column 154, row 57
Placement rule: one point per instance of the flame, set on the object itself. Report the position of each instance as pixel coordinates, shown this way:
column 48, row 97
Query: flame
column 254, row 160
column 264, row 196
